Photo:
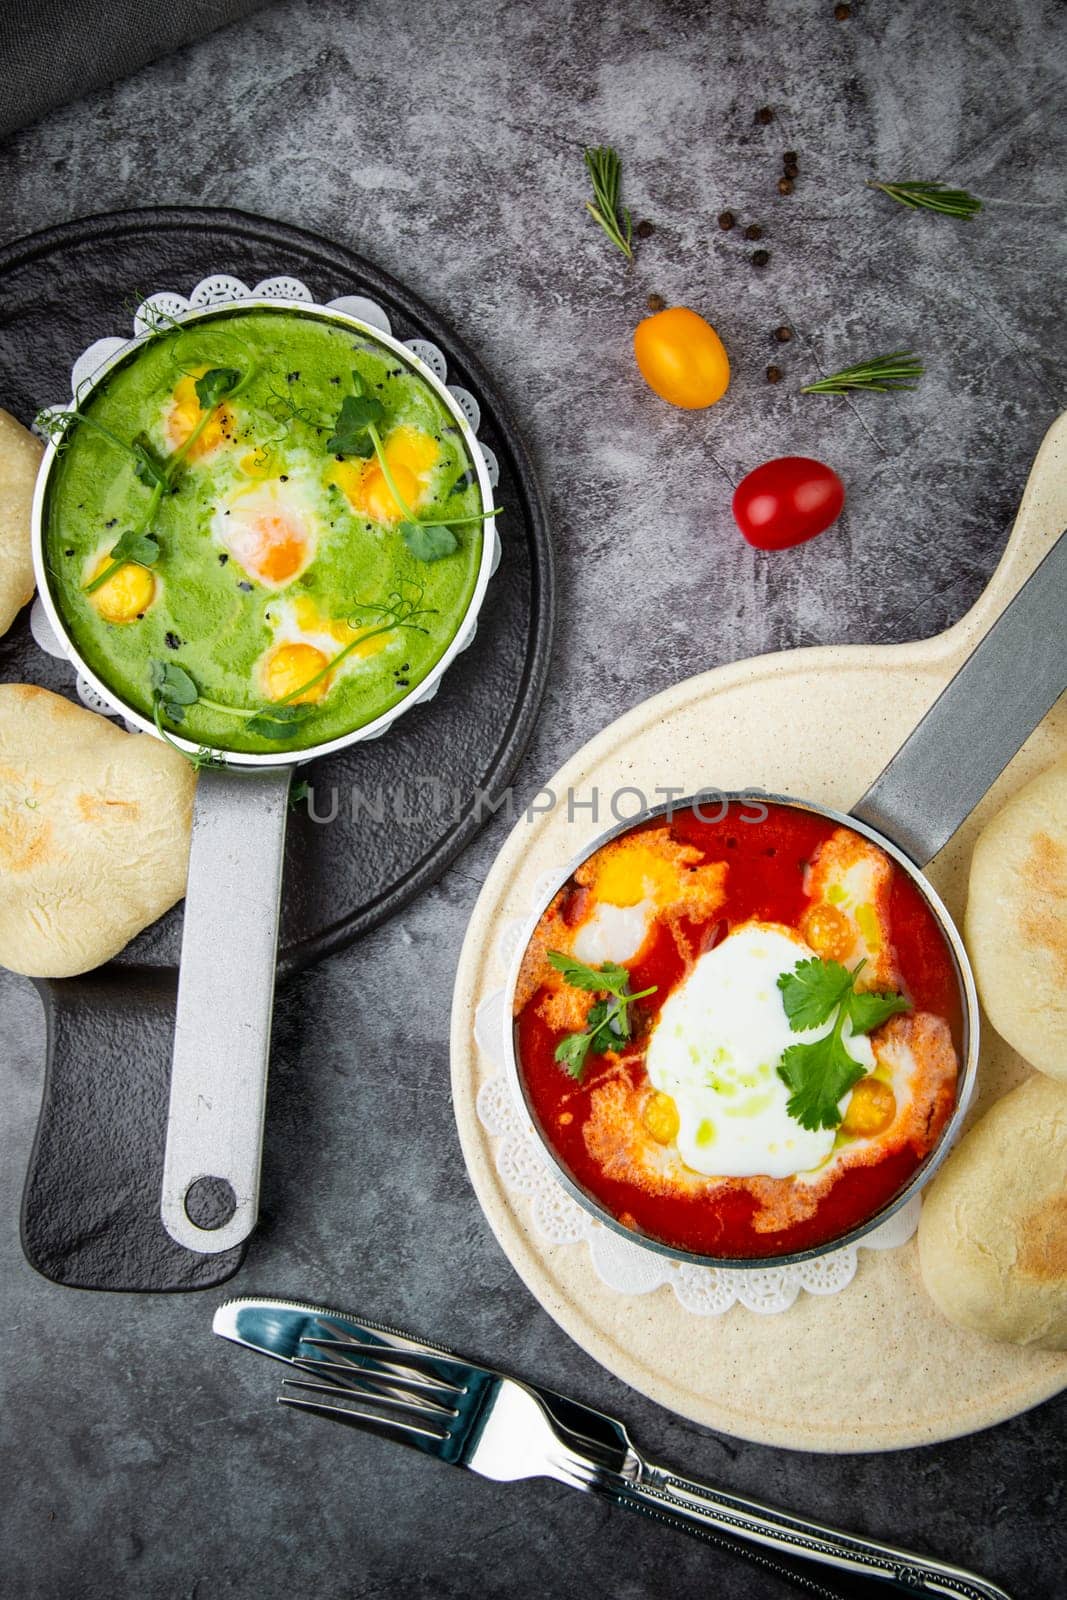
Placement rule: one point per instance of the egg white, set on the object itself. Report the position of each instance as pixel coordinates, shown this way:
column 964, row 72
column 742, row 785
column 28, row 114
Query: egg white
column 716, row 1049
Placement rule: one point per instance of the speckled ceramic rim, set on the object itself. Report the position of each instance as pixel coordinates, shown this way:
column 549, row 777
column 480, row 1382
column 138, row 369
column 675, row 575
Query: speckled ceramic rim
column 965, row 1081
column 369, row 730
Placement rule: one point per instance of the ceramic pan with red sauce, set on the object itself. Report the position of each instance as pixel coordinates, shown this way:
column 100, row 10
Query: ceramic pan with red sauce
column 800, row 1044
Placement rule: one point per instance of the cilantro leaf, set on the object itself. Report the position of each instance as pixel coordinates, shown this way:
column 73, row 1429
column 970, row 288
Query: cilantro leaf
column 350, row 437
column 572, row 1051
column 819, row 1074
column 215, row 385
column 608, row 979
column 869, row 1010
column 607, row 1024
column 812, row 991
column 428, row 541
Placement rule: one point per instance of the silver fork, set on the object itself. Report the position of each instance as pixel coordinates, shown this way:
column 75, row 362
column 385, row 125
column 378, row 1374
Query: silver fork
column 382, row 1381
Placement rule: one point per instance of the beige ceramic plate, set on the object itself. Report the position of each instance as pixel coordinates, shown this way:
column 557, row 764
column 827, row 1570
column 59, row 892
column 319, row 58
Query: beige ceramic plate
column 875, row 1367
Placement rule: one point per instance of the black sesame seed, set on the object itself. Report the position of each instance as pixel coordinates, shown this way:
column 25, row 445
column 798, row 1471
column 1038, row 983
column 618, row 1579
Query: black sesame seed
column 112, row 523
column 247, row 587
column 291, row 377
column 335, row 380
column 283, row 477
column 223, row 558
column 68, row 552
column 172, row 641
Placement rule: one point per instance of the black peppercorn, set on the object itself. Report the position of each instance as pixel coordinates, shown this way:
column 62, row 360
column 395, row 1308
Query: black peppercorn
column 760, row 258
column 656, row 302
column 726, row 220
column 784, row 333
column 842, row 13
column 792, row 170
column 753, row 231
column 774, row 374
column 764, row 115
column 789, row 157
column 785, row 186
column 645, row 230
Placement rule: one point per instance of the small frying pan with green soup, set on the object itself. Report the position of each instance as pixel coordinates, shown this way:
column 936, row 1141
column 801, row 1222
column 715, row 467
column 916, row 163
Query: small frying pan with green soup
column 262, row 532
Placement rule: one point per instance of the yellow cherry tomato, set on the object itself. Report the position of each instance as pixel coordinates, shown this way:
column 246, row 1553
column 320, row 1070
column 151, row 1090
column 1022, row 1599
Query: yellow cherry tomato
column 682, row 358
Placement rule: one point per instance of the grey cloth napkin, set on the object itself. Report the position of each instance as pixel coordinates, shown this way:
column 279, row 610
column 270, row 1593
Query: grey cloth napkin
column 52, row 51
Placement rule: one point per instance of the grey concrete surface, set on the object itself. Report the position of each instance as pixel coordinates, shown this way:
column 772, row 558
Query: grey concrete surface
column 444, row 140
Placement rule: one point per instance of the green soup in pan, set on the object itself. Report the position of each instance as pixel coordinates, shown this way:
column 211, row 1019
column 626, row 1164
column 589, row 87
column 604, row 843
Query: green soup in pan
column 230, row 553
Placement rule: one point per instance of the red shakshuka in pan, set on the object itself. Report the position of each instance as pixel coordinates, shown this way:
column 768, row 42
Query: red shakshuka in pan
column 739, row 1028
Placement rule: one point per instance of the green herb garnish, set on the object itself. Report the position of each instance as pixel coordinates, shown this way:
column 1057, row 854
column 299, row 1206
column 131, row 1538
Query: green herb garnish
column 931, row 197
column 277, row 721
column 607, row 1025
column 353, row 431
column 132, row 546
column 428, row 541
column 605, row 171
column 214, row 385
column 173, row 689
column 901, row 370
column 821, row 1073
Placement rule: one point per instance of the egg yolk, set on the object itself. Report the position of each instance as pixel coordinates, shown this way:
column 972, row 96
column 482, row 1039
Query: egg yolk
column 186, row 412
column 660, row 1117
column 276, row 549
column 410, row 456
column 828, row 931
column 871, row 1109
column 290, row 666
column 126, row 595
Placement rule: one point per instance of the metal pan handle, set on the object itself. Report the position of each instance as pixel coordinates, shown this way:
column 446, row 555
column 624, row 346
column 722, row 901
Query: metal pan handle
column 979, row 720
column 225, row 995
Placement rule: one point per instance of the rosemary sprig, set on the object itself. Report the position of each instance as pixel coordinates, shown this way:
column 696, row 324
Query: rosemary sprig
column 900, row 370
column 931, row 197
column 605, row 171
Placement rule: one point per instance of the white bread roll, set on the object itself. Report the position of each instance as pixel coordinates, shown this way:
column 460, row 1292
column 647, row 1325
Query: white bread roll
column 94, row 833
column 20, row 456
column 993, row 1230
column 1016, row 922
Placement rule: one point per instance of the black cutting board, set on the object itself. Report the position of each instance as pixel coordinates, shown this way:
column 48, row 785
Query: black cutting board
column 91, row 1202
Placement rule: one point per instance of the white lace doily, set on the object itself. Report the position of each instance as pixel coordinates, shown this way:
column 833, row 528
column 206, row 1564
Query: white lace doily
column 221, row 288
column 625, row 1265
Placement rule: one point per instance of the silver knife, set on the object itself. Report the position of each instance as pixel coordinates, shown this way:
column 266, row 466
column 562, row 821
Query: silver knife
column 380, row 1380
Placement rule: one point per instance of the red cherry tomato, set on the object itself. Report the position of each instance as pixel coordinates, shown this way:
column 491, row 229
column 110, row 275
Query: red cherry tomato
column 787, row 501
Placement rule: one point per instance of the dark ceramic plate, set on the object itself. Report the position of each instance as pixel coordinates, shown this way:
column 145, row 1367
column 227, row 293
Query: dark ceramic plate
column 91, row 1203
